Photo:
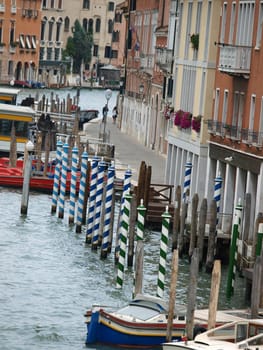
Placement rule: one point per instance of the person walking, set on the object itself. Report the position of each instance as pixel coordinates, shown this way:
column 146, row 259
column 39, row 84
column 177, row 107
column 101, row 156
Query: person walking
column 114, row 114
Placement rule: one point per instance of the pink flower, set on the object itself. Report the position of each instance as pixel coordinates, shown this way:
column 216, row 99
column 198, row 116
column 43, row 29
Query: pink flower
column 186, row 120
column 178, row 117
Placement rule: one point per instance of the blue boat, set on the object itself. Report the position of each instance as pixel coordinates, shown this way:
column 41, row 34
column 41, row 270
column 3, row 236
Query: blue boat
column 141, row 323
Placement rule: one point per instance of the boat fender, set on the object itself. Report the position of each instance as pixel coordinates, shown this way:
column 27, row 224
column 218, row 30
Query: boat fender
column 198, row 330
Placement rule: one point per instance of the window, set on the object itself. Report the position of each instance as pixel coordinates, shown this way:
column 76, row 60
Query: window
column 50, row 29
column 66, row 24
column 107, row 53
column 42, row 33
column 188, row 28
column 49, row 53
column 261, row 120
column 33, row 41
column 28, row 43
column 97, row 28
column 1, row 31
column 41, row 53
column 44, row 4
column 52, row 4
column 118, row 17
column 57, row 54
column 225, row 106
column 10, row 68
column 260, row 25
column 58, row 27
column 170, row 87
column 110, row 26
column 245, row 23
column 252, row 112
column 85, row 24
column 60, row 4
column 216, row 104
column 95, row 50
column 223, row 24
column 86, row 4
column 111, row 6
column 116, row 36
column 12, row 32
column 114, row 54
column 232, row 22
column 90, row 29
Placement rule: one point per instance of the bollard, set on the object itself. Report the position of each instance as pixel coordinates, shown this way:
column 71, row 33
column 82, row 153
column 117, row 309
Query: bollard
column 187, row 180
column 98, row 205
column 92, row 198
column 82, row 186
column 166, row 217
column 108, row 211
column 63, row 182
column 73, row 184
column 55, row 191
column 123, row 239
column 233, row 250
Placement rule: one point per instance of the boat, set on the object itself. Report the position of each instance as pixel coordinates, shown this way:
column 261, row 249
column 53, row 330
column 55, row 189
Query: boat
column 13, row 177
column 242, row 334
column 142, row 323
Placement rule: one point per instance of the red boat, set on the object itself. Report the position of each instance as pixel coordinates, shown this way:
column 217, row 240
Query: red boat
column 13, row 177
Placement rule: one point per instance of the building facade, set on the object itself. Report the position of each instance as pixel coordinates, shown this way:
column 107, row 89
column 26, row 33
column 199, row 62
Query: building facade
column 236, row 126
column 19, row 40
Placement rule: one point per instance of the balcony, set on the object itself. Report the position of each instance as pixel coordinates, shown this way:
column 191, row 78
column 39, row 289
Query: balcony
column 235, row 59
column 13, row 10
column 164, row 58
column 147, row 62
column 252, row 138
column 232, row 132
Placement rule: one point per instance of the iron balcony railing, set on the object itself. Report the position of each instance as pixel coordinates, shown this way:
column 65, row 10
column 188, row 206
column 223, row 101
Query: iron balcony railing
column 164, row 58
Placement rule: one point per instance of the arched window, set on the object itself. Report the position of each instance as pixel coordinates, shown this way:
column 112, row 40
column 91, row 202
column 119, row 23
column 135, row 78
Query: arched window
column 90, row 30
column 110, row 26
column 50, row 28
column 59, row 4
column 85, row 24
column 66, row 24
column 43, row 28
column 58, row 24
column 97, row 30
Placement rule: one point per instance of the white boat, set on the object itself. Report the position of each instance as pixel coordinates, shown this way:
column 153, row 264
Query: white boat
column 243, row 334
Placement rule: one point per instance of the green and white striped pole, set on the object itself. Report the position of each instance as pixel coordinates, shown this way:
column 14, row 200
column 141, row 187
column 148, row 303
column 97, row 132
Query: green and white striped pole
column 123, row 239
column 166, row 217
column 233, row 250
column 259, row 239
column 141, row 210
column 138, row 266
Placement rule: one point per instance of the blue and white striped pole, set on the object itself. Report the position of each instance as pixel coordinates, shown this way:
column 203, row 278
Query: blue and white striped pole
column 63, row 181
column 108, row 211
column 187, row 180
column 92, row 198
column 217, row 195
column 82, row 187
column 55, row 192
column 73, row 184
column 98, row 206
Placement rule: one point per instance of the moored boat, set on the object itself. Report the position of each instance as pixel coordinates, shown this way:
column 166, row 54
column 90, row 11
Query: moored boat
column 241, row 334
column 142, row 323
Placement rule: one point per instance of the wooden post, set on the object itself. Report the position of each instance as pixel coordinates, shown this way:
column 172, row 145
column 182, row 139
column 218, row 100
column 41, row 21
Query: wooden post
column 201, row 231
column 211, row 238
column 147, row 186
column 256, row 287
column 47, row 151
column 176, row 220
column 172, row 296
column 139, row 256
column 214, row 293
column 191, row 295
column 13, row 147
column 193, row 231
column 182, row 227
column 141, row 182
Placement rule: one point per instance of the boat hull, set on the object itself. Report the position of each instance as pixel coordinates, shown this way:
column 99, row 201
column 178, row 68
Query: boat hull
column 103, row 328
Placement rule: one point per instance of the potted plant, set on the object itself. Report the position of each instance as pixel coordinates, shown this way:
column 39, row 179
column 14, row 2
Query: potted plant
column 186, row 120
column 196, row 123
column 178, row 117
column 194, row 38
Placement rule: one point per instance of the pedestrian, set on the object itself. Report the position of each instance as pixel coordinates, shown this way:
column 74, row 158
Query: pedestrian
column 114, row 114
column 104, row 113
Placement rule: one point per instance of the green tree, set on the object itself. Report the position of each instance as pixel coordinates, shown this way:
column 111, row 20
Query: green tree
column 79, row 47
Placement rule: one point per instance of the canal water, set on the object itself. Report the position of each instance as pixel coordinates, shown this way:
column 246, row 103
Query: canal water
column 49, row 277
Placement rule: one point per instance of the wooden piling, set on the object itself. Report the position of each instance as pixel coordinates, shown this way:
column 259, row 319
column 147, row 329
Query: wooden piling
column 201, row 230
column 138, row 277
column 176, row 219
column 172, row 296
column 193, row 230
column 214, row 294
column 147, row 185
column 141, row 182
column 212, row 237
column 133, row 214
column 182, row 228
column 13, row 147
column 191, row 295
column 256, row 286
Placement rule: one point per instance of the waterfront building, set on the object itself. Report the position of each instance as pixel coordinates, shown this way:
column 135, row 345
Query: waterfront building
column 196, row 29
column 19, row 34
column 236, row 126
column 58, row 18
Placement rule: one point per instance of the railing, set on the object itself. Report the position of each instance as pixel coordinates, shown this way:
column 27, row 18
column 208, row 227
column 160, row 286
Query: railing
column 164, row 58
column 147, row 62
column 235, row 59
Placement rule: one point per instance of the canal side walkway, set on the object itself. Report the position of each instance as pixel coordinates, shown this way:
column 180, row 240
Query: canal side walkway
column 129, row 152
